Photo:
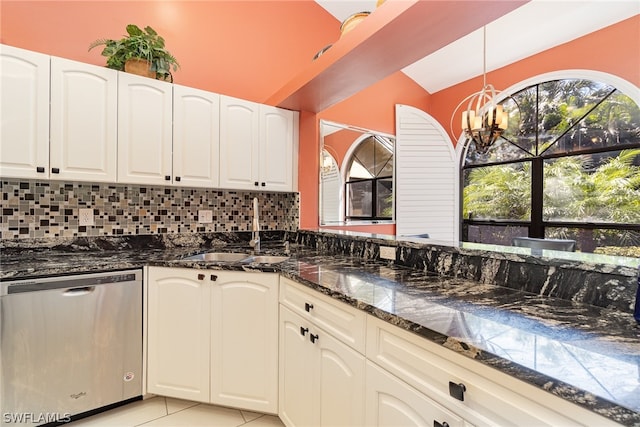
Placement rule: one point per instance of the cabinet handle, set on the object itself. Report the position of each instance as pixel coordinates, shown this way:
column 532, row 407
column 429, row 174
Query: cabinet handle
column 457, row 390
column 264, row 184
column 40, row 169
column 314, row 338
column 437, row 424
column 213, row 277
column 167, row 177
column 307, row 307
column 55, row 170
column 200, row 276
column 303, row 330
column 177, row 178
column 255, row 183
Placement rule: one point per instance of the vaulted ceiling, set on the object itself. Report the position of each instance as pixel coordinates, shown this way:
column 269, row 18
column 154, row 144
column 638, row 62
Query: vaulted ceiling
column 530, row 29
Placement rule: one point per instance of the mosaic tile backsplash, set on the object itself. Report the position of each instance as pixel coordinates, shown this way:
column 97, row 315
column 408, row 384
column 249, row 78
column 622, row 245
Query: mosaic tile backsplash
column 37, row 209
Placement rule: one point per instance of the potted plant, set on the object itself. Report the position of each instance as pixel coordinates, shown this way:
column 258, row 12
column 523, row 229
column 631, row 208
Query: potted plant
column 144, row 47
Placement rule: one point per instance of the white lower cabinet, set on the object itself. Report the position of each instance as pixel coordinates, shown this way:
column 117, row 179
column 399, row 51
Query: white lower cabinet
column 487, row 397
column 244, row 340
column 221, row 337
column 322, row 379
column 392, row 402
column 178, row 334
column 213, row 337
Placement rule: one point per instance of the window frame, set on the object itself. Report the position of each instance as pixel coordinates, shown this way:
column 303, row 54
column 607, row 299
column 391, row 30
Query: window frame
column 536, row 225
column 374, row 180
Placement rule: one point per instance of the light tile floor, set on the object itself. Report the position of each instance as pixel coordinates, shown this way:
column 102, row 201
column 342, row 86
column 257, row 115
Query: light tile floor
column 168, row 412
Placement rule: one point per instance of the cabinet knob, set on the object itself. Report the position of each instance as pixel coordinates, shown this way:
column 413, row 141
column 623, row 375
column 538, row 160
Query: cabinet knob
column 167, row 177
column 264, row 184
column 256, row 183
column 307, row 307
column 177, row 178
column 40, row 169
column 213, row 277
column 303, row 330
column 314, row 338
column 55, row 170
column 437, row 424
column 200, row 276
column 457, row 390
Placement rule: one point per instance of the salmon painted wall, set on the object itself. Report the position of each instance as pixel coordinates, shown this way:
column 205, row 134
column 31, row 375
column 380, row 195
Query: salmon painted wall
column 614, row 50
column 247, row 49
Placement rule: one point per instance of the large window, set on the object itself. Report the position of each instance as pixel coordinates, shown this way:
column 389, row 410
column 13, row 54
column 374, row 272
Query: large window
column 567, row 167
column 369, row 180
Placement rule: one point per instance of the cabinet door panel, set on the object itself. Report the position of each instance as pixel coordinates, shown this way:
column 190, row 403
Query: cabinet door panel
column 391, row 403
column 276, row 148
column 84, row 107
column 196, row 137
column 244, row 341
column 298, row 405
column 239, row 143
column 24, row 102
column 341, row 383
column 179, row 330
column 144, row 130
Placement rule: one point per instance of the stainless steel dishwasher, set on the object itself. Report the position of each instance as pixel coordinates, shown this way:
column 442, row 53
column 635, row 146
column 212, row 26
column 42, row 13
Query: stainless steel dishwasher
column 69, row 345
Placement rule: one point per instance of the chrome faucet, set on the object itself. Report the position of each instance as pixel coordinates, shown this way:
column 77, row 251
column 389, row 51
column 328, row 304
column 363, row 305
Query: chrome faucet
column 255, row 234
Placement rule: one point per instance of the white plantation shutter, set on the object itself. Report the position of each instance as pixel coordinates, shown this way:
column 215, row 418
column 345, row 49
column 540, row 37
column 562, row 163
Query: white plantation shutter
column 426, row 177
column 330, row 195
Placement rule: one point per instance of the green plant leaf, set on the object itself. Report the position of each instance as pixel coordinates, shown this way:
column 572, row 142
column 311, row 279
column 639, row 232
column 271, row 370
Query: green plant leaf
column 134, row 30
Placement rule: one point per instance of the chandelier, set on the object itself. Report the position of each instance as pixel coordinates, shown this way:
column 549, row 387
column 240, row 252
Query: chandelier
column 487, row 121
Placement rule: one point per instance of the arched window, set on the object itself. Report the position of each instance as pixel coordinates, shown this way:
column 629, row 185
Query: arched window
column 369, row 180
column 568, row 167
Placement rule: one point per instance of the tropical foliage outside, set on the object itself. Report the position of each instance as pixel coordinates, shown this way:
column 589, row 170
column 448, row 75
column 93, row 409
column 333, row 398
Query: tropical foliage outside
column 587, row 136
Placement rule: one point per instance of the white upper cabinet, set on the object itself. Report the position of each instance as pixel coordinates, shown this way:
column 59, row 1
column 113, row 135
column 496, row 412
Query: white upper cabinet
column 144, row 130
column 196, row 137
column 239, row 143
column 276, row 148
column 256, row 146
column 24, row 127
column 84, row 108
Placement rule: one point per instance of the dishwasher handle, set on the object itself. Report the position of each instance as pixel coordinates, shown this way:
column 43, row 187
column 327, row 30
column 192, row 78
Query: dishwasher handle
column 69, row 282
column 76, row 292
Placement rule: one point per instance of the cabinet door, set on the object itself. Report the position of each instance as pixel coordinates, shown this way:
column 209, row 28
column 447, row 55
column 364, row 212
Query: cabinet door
column 84, row 108
column 276, row 148
column 391, row 402
column 144, row 130
column 244, row 340
column 196, row 137
column 340, row 382
column 24, row 102
column 239, row 144
column 322, row 380
column 179, row 330
column 298, row 371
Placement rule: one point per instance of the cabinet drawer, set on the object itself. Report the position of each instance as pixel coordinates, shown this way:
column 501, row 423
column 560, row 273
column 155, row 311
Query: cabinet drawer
column 391, row 402
column 430, row 368
column 340, row 320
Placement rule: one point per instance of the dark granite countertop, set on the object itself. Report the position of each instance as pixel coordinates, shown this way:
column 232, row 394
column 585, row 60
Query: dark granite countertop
column 585, row 354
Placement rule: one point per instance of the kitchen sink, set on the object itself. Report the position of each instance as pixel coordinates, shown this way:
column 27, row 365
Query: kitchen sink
column 266, row 259
column 218, row 257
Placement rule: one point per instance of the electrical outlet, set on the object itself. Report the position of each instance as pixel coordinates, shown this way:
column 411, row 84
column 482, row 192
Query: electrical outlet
column 85, row 216
column 388, row 252
column 205, row 216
